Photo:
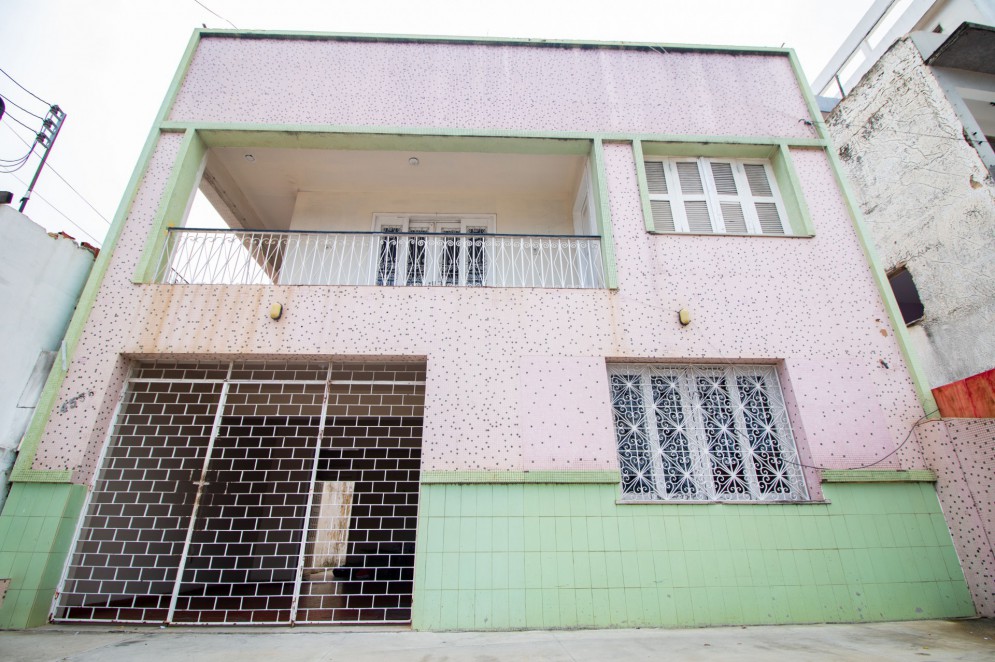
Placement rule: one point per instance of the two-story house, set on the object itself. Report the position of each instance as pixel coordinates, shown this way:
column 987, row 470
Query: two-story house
column 491, row 334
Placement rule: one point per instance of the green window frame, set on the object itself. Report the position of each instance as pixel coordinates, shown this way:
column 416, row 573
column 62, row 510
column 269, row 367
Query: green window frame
column 777, row 164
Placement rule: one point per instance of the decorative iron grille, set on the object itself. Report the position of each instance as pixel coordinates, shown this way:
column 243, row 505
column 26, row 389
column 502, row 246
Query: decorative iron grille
column 389, row 258
column 703, row 433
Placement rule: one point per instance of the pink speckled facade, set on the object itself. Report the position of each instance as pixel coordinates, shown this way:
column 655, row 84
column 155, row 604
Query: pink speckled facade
column 962, row 452
column 516, row 377
column 369, row 84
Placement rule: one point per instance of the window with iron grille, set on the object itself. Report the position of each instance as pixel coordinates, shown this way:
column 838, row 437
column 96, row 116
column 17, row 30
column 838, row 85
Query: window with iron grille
column 703, row 433
column 715, row 196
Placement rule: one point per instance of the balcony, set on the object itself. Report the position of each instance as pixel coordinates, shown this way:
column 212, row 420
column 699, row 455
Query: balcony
column 367, row 211
column 389, row 259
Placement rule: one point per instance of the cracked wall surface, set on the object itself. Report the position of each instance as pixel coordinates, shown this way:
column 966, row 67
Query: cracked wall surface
column 929, row 203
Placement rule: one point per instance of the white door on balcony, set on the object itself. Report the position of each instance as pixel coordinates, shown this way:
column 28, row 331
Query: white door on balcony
column 432, row 250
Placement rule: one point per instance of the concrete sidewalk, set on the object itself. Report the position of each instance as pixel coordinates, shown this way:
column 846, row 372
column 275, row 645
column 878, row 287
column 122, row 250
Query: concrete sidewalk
column 937, row 640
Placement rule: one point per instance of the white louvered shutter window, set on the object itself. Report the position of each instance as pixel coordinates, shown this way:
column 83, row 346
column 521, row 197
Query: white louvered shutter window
column 661, row 203
column 727, row 194
column 694, row 193
column 703, row 196
column 766, row 203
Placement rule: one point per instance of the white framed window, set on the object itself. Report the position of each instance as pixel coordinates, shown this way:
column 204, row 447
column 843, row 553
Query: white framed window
column 703, row 433
column 447, row 249
column 715, row 196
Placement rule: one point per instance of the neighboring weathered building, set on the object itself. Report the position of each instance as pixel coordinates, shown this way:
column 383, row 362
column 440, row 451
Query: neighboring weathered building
column 922, row 175
column 41, row 277
column 914, row 136
column 496, row 334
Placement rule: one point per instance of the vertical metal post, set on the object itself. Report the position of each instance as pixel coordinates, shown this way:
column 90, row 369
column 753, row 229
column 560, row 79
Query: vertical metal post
column 310, row 499
column 53, row 123
column 200, row 493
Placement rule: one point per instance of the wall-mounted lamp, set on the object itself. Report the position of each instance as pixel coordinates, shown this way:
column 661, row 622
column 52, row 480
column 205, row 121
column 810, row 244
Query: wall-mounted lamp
column 413, row 161
column 250, row 158
column 276, row 311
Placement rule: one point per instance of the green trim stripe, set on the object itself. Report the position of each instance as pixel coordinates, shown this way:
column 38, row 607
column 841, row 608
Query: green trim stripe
column 386, row 139
column 644, row 198
column 791, row 190
column 604, row 212
column 877, row 476
column 916, row 370
column 29, row 446
column 173, row 205
column 239, row 128
column 509, row 477
column 490, row 41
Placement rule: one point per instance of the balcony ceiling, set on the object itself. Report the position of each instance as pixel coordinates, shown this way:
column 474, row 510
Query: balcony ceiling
column 270, row 181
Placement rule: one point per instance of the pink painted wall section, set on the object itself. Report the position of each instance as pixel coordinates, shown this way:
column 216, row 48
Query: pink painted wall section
column 78, row 424
column 518, row 382
column 516, row 378
column 361, row 84
column 962, row 453
column 566, row 420
column 808, row 302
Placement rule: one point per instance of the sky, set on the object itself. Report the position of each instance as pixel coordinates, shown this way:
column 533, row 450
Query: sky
column 108, row 64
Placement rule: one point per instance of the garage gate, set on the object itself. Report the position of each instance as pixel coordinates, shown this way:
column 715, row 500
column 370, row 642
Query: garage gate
column 253, row 492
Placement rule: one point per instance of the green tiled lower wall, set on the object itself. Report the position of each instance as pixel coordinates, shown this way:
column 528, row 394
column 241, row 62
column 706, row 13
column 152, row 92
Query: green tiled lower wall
column 36, row 530
column 567, row 556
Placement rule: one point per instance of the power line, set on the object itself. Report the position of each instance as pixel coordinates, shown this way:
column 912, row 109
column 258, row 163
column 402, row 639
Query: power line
column 7, row 162
column 66, row 182
column 13, row 166
column 59, row 211
column 17, row 105
column 216, row 14
column 11, row 117
column 26, row 89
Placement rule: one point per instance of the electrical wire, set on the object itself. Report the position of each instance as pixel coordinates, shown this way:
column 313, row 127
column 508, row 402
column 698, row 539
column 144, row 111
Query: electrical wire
column 66, row 182
column 14, row 166
column 26, row 89
column 35, row 194
column 216, row 14
column 11, row 117
column 17, row 105
column 18, row 160
column 899, row 447
column 919, row 422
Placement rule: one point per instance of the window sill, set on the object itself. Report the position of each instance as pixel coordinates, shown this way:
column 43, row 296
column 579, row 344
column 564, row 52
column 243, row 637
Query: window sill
column 659, row 502
column 730, row 234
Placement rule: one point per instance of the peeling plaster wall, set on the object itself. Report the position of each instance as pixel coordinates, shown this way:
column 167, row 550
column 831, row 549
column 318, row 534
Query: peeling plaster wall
column 516, row 378
column 929, row 203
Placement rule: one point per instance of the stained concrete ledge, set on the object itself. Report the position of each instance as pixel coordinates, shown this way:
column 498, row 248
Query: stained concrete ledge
column 940, row 640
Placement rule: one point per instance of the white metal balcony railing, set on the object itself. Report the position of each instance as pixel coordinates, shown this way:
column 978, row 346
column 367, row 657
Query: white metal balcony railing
column 249, row 257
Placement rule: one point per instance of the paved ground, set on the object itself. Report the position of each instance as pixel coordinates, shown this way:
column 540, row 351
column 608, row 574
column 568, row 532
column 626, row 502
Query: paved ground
column 936, row 640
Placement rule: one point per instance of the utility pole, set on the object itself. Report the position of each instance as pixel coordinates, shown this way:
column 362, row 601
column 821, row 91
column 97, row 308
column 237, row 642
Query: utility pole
column 46, row 138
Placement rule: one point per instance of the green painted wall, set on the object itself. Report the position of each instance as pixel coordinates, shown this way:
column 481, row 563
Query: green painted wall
column 566, row 556
column 36, row 530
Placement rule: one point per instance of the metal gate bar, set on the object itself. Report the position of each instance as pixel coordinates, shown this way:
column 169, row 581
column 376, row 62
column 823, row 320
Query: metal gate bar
column 277, row 492
column 124, row 564
column 242, row 562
